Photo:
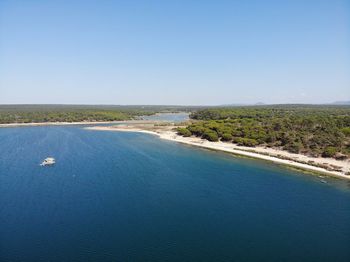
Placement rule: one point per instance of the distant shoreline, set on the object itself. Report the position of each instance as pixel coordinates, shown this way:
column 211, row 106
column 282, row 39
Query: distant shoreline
column 71, row 123
column 257, row 153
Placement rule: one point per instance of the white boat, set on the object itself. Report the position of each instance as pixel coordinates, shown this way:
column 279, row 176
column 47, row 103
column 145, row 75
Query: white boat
column 48, row 161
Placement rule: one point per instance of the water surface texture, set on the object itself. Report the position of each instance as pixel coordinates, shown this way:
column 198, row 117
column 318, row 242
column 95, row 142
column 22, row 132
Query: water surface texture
column 132, row 197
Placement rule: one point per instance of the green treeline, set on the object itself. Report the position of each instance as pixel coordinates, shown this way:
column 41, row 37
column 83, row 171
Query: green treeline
column 312, row 130
column 78, row 113
column 35, row 114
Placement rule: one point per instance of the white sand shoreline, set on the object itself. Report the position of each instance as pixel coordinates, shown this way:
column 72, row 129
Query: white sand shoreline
column 258, row 153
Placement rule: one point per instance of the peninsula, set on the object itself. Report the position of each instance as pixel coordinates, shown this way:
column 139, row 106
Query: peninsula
column 326, row 166
column 315, row 138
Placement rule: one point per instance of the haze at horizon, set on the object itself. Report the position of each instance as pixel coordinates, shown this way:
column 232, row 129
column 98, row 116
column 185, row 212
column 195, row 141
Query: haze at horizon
column 184, row 53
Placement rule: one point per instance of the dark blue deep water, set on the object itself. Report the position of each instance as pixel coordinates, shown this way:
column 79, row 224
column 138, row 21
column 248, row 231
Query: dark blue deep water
column 132, row 197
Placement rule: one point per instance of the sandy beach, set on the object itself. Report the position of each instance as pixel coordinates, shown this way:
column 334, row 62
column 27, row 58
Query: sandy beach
column 330, row 166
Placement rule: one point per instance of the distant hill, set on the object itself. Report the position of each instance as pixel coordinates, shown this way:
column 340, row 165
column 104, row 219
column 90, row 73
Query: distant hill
column 242, row 104
column 341, row 103
column 234, row 105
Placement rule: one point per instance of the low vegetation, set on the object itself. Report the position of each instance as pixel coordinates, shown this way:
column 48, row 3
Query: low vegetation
column 312, row 130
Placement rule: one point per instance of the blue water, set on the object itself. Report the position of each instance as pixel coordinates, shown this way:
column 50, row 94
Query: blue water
column 168, row 117
column 132, row 197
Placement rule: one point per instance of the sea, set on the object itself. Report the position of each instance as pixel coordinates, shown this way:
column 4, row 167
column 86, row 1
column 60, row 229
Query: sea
column 120, row 196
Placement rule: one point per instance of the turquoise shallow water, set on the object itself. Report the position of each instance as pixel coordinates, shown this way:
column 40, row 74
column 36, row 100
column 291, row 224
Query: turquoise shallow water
column 132, row 197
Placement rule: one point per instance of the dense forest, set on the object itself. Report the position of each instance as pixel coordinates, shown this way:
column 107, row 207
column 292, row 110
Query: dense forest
column 65, row 114
column 60, row 113
column 312, row 130
column 78, row 113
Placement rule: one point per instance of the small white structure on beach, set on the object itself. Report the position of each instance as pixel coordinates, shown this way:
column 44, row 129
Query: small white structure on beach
column 48, row 161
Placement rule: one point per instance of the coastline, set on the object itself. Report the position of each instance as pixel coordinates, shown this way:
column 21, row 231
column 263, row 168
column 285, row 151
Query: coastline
column 267, row 154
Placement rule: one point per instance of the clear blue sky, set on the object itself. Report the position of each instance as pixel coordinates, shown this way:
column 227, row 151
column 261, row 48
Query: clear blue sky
column 174, row 52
